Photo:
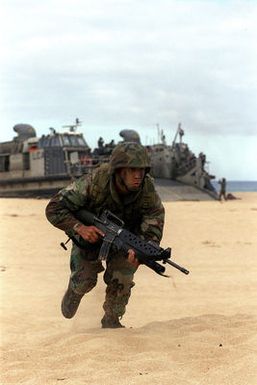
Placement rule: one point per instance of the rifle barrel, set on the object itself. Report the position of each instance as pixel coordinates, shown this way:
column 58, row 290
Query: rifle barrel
column 182, row 269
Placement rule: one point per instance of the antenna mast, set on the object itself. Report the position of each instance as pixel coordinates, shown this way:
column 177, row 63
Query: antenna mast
column 73, row 127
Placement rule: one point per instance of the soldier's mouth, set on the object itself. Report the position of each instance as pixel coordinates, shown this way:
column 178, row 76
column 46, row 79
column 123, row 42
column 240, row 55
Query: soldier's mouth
column 137, row 183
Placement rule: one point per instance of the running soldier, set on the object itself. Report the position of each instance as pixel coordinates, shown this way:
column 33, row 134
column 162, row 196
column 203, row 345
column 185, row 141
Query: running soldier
column 125, row 188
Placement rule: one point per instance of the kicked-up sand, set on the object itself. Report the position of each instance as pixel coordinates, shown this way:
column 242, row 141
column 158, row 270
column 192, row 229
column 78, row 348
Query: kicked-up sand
column 185, row 330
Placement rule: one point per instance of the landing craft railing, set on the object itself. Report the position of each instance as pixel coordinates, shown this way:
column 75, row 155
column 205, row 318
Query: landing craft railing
column 86, row 165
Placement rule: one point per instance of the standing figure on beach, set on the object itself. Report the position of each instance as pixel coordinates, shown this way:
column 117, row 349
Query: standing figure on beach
column 125, row 188
column 223, row 186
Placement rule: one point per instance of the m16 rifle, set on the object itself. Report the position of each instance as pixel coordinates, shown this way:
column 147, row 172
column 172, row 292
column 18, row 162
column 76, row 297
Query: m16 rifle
column 147, row 252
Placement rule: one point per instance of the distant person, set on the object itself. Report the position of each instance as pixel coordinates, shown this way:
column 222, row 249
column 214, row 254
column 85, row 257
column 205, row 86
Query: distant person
column 202, row 157
column 223, row 185
column 100, row 142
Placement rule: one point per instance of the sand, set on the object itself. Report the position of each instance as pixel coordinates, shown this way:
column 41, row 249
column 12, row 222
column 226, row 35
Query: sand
column 195, row 329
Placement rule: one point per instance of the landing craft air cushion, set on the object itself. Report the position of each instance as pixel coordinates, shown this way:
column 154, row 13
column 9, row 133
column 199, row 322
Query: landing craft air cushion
column 32, row 166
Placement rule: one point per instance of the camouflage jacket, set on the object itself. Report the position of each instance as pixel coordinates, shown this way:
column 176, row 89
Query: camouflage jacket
column 142, row 211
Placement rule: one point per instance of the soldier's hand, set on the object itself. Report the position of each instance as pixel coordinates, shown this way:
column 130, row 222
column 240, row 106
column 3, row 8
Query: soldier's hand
column 90, row 233
column 132, row 258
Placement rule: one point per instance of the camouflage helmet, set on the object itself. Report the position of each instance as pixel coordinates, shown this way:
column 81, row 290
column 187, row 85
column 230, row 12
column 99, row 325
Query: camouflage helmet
column 129, row 154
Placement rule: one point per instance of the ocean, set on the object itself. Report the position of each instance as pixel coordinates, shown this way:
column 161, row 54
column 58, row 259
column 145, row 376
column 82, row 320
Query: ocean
column 237, row 186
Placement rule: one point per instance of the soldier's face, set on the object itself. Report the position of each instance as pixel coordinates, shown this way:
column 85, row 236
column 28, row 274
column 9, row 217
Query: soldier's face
column 132, row 177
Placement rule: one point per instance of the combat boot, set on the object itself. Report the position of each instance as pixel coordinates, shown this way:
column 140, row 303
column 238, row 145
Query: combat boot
column 111, row 322
column 70, row 302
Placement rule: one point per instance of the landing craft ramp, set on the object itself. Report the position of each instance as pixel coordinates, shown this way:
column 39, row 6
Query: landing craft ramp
column 170, row 190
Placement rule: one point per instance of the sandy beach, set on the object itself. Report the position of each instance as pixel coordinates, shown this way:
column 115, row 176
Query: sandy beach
column 186, row 330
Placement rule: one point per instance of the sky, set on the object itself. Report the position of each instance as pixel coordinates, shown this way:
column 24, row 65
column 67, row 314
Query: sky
column 135, row 64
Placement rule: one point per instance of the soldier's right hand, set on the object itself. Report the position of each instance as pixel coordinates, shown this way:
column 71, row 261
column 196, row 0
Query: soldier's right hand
column 90, row 233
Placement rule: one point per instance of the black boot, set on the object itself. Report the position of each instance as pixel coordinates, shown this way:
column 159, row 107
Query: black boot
column 111, row 322
column 70, row 302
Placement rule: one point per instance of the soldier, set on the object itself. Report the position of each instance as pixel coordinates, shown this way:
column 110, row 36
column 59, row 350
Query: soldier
column 125, row 188
column 222, row 192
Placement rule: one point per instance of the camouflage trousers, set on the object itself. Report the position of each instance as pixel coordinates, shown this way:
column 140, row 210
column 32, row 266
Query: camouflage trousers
column 118, row 277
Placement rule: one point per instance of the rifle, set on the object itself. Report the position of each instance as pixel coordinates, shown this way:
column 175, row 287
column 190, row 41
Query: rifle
column 147, row 252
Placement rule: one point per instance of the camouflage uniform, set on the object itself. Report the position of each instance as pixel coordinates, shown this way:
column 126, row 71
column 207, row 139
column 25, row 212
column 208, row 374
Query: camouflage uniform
column 141, row 211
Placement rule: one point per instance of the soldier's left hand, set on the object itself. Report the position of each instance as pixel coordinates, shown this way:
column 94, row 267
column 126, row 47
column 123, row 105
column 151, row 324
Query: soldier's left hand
column 132, row 258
